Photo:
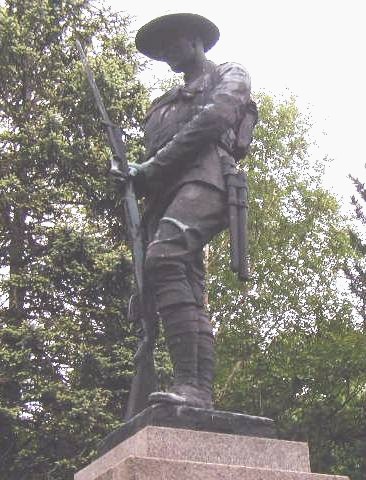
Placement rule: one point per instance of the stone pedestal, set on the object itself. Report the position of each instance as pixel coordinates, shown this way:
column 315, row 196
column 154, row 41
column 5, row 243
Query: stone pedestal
column 180, row 416
column 164, row 453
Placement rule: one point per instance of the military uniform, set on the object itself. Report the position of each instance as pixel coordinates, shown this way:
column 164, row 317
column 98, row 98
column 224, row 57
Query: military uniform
column 190, row 136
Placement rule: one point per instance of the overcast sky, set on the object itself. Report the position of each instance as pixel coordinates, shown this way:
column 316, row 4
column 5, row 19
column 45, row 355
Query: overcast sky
column 313, row 49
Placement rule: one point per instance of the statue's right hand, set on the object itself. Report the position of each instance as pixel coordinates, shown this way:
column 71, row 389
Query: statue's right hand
column 117, row 175
column 135, row 170
column 135, row 173
column 119, row 178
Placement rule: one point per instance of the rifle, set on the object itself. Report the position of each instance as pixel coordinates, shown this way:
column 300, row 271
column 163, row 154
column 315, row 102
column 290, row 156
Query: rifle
column 143, row 382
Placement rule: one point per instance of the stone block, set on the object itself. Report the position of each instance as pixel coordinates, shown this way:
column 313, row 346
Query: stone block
column 139, row 468
column 203, row 447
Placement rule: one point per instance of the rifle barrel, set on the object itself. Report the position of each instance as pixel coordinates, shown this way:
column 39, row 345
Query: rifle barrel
column 93, row 84
column 144, row 380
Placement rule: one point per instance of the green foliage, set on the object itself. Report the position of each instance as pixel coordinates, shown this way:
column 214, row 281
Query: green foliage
column 288, row 346
column 66, row 347
column 355, row 268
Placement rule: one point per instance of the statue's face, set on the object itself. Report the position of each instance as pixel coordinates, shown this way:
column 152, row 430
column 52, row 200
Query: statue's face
column 180, row 53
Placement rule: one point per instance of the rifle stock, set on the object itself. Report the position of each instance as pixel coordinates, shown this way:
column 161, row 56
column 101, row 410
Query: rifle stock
column 143, row 382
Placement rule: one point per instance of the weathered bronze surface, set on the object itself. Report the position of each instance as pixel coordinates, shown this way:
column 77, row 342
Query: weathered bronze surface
column 194, row 134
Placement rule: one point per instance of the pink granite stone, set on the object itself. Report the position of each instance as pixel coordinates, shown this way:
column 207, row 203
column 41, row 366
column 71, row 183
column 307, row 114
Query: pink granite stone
column 205, row 447
column 138, row 468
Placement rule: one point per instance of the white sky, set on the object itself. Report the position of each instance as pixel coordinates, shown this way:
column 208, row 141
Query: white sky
column 314, row 49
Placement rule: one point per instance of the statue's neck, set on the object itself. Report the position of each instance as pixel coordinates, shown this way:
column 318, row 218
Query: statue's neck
column 197, row 69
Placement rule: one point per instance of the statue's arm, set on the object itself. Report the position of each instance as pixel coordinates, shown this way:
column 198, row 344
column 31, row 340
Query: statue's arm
column 223, row 109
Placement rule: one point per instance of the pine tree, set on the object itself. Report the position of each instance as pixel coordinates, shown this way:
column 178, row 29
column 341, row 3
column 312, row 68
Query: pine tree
column 356, row 271
column 65, row 345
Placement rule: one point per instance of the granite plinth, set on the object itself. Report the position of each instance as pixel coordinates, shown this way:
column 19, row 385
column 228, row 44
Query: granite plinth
column 179, row 416
column 182, row 445
column 139, row 468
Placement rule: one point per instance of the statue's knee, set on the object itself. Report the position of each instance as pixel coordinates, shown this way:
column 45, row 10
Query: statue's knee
column 167, row 278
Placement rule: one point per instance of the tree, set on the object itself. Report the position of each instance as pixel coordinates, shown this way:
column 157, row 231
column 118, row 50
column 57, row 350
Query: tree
column 65, row 344
column 356, row 270
column 287, row 342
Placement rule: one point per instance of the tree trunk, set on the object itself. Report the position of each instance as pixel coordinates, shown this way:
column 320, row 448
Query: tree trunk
column 16, row 263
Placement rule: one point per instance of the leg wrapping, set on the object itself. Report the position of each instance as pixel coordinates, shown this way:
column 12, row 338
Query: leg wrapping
column 181, row 330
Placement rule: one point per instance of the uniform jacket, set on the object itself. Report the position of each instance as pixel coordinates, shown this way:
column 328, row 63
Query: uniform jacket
column 191, row 130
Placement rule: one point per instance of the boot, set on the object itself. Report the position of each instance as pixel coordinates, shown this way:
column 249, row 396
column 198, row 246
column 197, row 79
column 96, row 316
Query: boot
column 205, row 373
column 181, row 330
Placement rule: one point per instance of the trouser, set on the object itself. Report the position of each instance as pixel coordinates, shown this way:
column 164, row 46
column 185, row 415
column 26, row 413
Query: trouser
column 175, row 273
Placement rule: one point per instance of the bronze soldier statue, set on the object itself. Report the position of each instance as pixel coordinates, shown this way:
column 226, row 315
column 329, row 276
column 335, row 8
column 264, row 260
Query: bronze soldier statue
column 191, row 140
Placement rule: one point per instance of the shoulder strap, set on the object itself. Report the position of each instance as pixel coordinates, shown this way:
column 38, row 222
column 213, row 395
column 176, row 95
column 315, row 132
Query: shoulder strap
column 161, row 101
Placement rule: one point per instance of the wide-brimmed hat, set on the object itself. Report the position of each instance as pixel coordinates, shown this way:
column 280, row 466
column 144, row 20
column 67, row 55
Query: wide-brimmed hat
column 151, row 38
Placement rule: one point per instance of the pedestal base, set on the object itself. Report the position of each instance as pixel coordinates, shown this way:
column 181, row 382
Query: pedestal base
column 178, row 416
column 134, row 468
column 161, row 453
